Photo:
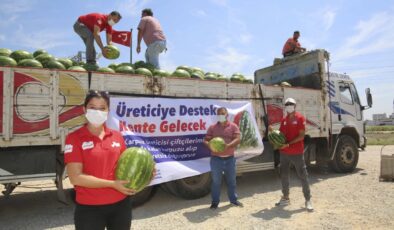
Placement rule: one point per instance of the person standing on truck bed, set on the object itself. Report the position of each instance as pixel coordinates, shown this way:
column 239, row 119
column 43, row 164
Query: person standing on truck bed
column 150, row 30
column 293, row 127
column 91, row 153
column 89, row 26
column 223, row 162
column 292, row 46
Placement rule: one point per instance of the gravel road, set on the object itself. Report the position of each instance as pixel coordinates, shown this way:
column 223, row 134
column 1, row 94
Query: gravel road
column 341, row 201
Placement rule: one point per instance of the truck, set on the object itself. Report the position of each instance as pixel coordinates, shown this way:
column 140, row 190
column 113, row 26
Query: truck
column 39, row 107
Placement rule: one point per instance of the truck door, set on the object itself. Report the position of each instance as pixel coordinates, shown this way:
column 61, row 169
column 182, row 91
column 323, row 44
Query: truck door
column 347, row 103
column 357, row 102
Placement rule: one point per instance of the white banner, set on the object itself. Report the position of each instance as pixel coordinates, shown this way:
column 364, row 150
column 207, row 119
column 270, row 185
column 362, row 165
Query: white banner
column 173, row 131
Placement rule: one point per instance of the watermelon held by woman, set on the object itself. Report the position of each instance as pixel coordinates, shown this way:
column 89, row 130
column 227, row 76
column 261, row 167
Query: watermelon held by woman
column 276, row 138
column 112, row 52
column 217, row 144
column 135, row 165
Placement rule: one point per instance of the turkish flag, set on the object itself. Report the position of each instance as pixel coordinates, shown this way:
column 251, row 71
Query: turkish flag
column 121, row 37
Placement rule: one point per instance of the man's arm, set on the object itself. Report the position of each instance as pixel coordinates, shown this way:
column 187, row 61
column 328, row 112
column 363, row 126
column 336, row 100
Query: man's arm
column 300, row 137
column 139, row 38
column 109, row 39
column 234, row 142
column 96, row 34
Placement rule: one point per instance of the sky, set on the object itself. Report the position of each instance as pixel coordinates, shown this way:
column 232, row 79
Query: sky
column 227, row 36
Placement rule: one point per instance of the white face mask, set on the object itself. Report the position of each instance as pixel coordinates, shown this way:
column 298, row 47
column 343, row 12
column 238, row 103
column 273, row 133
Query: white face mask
column 222, row 118
column 96, row 117
column 111, row 22
column 290, row 108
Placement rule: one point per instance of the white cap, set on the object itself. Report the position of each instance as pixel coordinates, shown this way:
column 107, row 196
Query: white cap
column 290, row 100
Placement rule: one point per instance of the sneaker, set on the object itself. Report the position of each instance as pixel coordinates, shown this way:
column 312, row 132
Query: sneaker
column 237, row 203
column 283, row 202
column 308, row 205
column 214, row 206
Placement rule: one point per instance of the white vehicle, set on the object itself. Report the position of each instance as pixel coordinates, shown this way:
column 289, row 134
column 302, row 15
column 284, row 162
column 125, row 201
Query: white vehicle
column 38, row 107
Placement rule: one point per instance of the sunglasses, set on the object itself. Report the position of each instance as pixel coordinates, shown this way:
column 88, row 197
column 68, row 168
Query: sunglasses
column 98, row 93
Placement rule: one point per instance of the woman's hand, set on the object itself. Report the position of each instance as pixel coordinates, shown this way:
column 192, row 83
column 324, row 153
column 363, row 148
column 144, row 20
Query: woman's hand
column 120, row 186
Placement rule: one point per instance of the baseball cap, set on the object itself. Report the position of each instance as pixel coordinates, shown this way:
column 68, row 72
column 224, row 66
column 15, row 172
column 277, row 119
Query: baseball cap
column 290, row 101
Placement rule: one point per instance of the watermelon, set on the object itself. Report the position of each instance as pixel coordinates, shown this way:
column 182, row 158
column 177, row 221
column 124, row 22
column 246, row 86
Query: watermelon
column 39, row 52
column 7, row 61
column 277, row 139
column 105, row 70
column 198, row 75
column 30, row 63
column 210, row 76
column 44, row 58
column 125, row 69
column 135, row 165
column 54, row 65
column 112, row 52
column 211, row 73
column 90, row 67
column 186, row 68
column 125, row 64
column 244, row 121
column 237, row 78
column 142, row 64
column 250, row 81
column 20, row 55
column 197, row 69
column 5, row 52
column 144, row 71
column 181, row 73
column 217, row 144
column 161, row 73
column 113, row 66
column 77, row 68
column 66, row 62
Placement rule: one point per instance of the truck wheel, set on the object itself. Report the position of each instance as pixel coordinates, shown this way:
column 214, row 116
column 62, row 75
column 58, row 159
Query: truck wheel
column 192, row 187
column 346, row 155
column 143, row 196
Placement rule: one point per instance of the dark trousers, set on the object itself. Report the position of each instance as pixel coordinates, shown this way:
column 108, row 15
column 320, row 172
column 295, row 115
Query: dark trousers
column 299, row 164
column 96, row 217
column 87, row 38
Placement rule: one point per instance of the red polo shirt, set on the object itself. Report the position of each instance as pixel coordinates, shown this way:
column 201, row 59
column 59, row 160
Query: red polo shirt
column 290, row 45
column 228, row 132
column 95, row 19
column 99, row 158
column 291, row 129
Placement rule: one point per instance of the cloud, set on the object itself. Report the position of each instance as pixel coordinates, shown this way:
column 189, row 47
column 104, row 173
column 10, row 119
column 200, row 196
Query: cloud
column 372, row 36
column 12, row 7
column 132, row 8
column 228, row 61
column 328, row 17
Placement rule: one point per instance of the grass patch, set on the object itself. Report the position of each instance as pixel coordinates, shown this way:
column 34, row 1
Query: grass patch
column 380, row 128
column 380, row 138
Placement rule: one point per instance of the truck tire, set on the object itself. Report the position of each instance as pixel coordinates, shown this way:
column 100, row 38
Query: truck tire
column 190, row 188
column 346, row 155
column 143, row 196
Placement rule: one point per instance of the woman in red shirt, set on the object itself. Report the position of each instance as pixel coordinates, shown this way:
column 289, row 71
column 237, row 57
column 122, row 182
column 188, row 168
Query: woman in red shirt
column 91, row 154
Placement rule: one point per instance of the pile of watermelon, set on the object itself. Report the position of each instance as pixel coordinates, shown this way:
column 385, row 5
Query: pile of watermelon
column 248, row 133
column 135, row 165
column 42, row 59
column 276, row 138
column 217, row 144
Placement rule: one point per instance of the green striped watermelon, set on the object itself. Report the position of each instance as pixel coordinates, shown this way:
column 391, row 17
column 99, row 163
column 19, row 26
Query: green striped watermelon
column 217, row 144
column 135, row 165
column 276, row 138
column 248, row 133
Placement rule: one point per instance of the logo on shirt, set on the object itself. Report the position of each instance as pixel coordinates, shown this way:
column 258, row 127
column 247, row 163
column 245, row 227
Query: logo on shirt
column 87, row 145
column 68, row 149
column 99, row 22
column 295, row 122
column 115, row 144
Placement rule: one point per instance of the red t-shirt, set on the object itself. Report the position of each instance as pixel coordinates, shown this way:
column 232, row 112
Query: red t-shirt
column 227, row 132
column 290, row 45
column 95, row 19
column 99, row 159
column 291, row 129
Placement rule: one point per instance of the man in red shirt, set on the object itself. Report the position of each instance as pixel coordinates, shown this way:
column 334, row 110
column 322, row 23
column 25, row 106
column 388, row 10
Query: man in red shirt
column 293, row 127
column 292, row 46
column 223, row 162
column 89, row 26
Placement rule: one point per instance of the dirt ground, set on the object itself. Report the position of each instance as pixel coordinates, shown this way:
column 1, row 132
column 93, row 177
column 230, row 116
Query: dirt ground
column 341, row 201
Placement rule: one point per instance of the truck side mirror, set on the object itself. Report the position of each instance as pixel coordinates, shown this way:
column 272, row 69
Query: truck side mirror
column 369, row 97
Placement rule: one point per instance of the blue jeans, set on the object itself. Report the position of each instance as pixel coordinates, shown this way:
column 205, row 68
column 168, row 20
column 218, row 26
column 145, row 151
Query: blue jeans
column 153, row 51
column 218, row 167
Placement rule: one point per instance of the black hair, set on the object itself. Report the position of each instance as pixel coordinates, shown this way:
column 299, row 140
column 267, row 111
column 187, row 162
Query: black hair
column 148, row 11
column 222, row 108
column 296, row 32
column 96, row 94
column 116, row 13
